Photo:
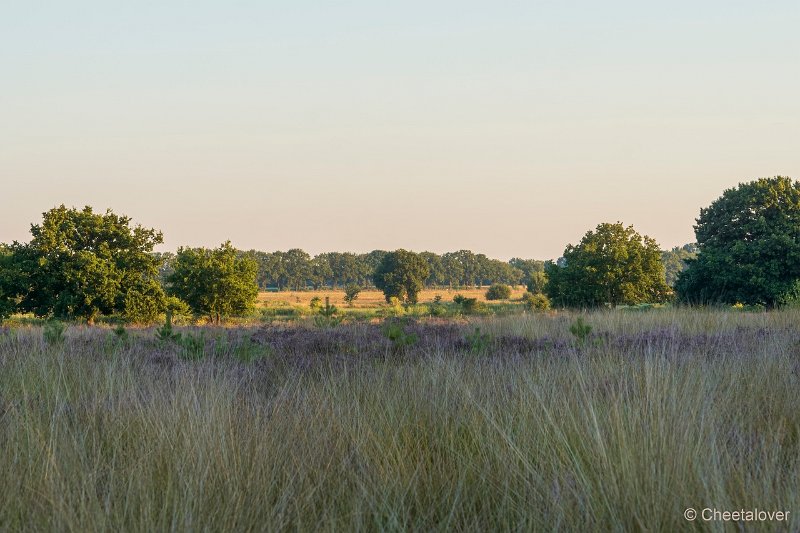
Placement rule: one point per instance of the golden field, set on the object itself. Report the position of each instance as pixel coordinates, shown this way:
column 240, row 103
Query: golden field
column 369, row 298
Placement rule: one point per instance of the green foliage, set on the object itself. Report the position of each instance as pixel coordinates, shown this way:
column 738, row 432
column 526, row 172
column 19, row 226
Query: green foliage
column 214, row 283
column 145, row 306
column 327, row 315
column 166, row 333
column 80, row 264
column 675, row 261
column 120, row 333
column 537, row 282
column 749, row 247
column 401, row 274
column 612, row 265
column 580, row 330
column 478, row 342
column 192, row 346
column 468, row 305
column 394, row 330
column 351, row 292
column 315, row 303
column 498, row 291
column 53, row 332
column 9, row 283
column 536, row 302
column 328, row 310
column 180, row 310
column 436, row 307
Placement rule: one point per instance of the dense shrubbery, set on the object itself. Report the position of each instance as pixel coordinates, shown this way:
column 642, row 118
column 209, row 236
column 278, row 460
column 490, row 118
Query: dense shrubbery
column 535, row 302
column 498, row 291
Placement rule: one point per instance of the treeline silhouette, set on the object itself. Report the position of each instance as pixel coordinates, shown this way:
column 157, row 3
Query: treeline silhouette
column 296, row 269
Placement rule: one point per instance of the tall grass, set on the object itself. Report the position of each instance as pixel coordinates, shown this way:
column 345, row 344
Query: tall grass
column 654, row 413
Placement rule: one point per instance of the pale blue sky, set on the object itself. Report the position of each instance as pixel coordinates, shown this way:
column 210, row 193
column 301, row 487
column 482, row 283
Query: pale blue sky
column 506, row 128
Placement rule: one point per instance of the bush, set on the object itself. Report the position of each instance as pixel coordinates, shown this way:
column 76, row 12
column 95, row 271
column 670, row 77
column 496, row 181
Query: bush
column 498, row 291
column 580, row 330
column 468, row 305
column 394, row 330
column 54, row 332
column 536, row 302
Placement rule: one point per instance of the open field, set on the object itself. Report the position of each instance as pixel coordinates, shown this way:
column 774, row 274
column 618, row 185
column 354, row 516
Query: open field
column 522, row 426
column 370, row 298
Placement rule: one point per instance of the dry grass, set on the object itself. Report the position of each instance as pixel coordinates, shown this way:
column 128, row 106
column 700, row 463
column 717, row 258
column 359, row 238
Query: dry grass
column 338, row 430
column 369, row 298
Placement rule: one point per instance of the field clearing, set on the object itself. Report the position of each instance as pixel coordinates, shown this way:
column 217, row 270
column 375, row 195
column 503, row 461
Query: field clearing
column 523, row 427
column 369, row 298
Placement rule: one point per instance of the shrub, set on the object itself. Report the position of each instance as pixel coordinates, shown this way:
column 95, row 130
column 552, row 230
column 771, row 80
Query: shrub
column 327, row 315
column 165, row 333
column 394, row 330
column 315, row 303
column 536, row 302
column 468, row 305
column 192, row 346
column 54, row 332
column 120, row 333
column 580, row 330
column 498, row 291
column 478, row 342
column 181, row 312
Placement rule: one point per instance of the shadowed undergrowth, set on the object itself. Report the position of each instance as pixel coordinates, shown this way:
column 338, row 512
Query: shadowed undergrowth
column 337, row 428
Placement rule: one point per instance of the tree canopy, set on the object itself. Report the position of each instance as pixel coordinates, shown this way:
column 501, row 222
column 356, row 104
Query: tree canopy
column 401, row 274
column 612, row 265
column 749, row 246
column 214, row 282
column 80, row 264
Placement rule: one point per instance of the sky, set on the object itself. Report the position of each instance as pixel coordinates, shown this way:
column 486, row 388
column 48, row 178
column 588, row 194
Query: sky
column 507, row 128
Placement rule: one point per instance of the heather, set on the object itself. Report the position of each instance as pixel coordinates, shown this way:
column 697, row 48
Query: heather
column 498, row 423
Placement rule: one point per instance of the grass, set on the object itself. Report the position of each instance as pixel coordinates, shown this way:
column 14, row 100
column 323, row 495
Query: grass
column 335, row 429
column 369, row 298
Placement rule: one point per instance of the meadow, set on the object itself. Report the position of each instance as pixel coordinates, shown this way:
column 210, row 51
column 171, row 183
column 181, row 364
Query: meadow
column 519, row 422
column 369, row 298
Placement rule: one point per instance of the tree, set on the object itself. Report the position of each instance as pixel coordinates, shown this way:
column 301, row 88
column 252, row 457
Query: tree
column 537, row 282
column 81, row 264
column 297, row 268
column 527, row 266
column 612, row 265
column 401, row 274
column 675, row 261
column 748, row 243
column 320, row 271
column 9, row 287
column 351, row 292
column 215, row 283
column 436, row 275
column 368, row 263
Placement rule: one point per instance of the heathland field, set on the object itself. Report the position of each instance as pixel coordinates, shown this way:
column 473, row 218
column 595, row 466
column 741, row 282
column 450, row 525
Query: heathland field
column 620, row 421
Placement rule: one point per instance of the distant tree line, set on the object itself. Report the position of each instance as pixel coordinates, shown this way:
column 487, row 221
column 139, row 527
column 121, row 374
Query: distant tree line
column 297, row 270
column 82, row 264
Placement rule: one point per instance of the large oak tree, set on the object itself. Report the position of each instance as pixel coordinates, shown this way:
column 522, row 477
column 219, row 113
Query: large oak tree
column 612, row 265
column 749, row 246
